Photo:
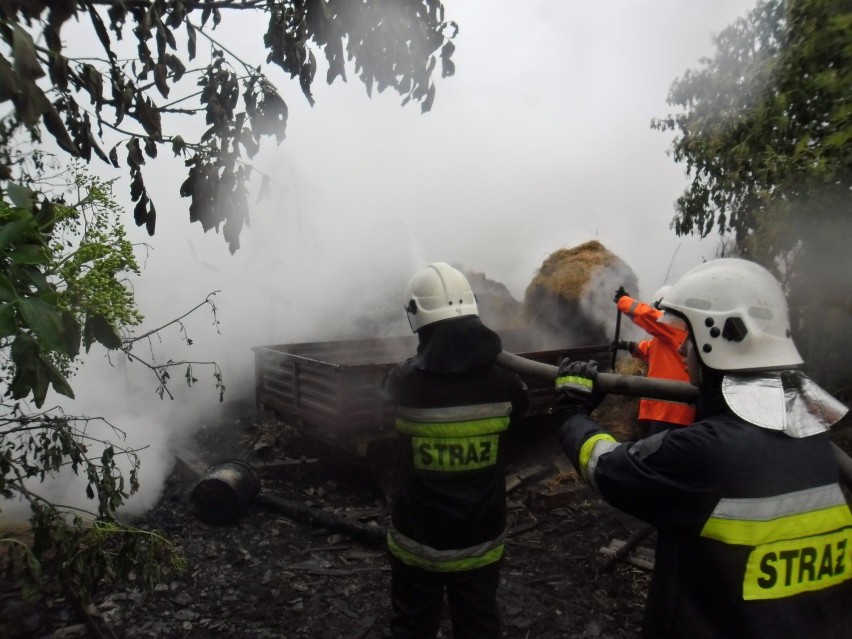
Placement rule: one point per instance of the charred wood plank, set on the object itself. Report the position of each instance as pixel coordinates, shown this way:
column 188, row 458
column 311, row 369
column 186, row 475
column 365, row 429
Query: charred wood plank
column 372, row 535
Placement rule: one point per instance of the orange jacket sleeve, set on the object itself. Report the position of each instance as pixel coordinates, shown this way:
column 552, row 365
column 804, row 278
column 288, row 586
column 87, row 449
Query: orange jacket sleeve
column 645, row 317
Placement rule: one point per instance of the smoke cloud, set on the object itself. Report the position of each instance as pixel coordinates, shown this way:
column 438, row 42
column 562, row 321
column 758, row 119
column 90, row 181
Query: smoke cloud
column 540, row 141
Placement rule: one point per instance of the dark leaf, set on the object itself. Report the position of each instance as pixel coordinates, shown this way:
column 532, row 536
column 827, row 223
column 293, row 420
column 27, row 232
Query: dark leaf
column 40, row 383
column 175, row 66
column 113, row 156
column 8, row 80
column 53, row 123
column 31, row 102
column 137, row 185
column 178, row 145
column 148, row 116
column 151, row 221
column 93, row 82
column 24, row 354
column 135, row 158
column 140, row 212
column 190, row 40
column 160, row 78
column 7, row 289
column 150, row 148
column 27, row 64
column 102, row 33
column 55, row 377
column 8, row 325
column 188, row 186
column 13, row 230
column 72, row 334
column 99, row 329
column 21, row 196
column 98, row 150
column 39, row 280
column 44, row 321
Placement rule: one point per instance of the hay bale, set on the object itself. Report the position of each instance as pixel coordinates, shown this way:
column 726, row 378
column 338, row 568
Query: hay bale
column 497, row 308
column 570, row 298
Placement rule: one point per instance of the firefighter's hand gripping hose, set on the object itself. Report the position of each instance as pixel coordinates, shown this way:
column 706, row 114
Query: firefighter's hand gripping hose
column 576, row 390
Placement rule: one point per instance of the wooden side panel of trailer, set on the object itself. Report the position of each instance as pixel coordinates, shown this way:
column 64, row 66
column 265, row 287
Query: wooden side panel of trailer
column 331, row 390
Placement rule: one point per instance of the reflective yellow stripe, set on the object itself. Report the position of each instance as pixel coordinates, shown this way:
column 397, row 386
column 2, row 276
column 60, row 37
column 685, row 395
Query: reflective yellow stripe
column 801, row 541
column 582, row 383
column 789, row 567
column 453, row 429
column 452, row 565
column 587, row 449
column 445, row 414
column 454, row 453
column 755, row 532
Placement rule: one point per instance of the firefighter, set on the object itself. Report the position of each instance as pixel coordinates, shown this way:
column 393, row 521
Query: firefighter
column 448, row 519
column 661, row 356
column 754, row 533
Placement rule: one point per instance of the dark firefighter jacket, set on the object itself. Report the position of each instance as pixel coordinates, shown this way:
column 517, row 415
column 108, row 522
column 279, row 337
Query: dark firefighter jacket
column 664, row 362
column 454, row 406
column 754, row 536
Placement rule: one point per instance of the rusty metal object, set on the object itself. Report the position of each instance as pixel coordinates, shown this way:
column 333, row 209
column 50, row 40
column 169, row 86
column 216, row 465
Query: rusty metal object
column 224, row 490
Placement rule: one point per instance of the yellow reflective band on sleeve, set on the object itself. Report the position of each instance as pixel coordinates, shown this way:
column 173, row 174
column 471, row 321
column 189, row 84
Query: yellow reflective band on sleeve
column 453, row 429
column 588, row 448
column 455, row 453
column 580, row 383
column 790, row 567
column 746, row 532
column 450, row 565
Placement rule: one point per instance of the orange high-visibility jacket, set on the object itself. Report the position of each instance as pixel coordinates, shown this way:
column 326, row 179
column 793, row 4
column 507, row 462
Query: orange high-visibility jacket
column 664, row 362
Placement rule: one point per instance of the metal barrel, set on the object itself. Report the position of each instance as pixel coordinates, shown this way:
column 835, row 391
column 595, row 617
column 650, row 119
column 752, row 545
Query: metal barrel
column 224, row 491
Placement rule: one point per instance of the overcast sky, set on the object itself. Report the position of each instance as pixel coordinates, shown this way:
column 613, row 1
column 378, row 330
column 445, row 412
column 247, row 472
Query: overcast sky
column 541, row 140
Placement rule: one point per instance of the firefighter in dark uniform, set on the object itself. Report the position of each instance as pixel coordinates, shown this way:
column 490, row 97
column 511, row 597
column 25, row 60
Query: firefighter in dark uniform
column 754, row 532
column 454, row 406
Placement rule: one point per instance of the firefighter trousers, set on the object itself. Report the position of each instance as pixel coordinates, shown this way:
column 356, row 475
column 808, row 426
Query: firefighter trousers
column 417, row 596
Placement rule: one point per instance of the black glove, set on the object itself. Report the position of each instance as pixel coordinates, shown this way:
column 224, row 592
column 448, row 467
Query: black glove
column 619, row 294
column 622, row 345
column 575, row 388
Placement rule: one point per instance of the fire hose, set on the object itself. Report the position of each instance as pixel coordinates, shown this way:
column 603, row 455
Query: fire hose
column 637, row 386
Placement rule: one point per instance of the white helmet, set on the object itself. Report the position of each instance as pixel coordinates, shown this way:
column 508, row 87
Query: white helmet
column 738, row 315
column 660, row 294
column 436, row 293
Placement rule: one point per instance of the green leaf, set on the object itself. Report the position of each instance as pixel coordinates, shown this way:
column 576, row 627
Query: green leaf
column 8, row 325
column 11, row 231
column 7, row 289
column 21, row 196
column 44, row 321
column 30, row 254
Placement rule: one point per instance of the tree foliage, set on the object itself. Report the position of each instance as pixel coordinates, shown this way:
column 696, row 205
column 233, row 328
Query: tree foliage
column 765, row 131
column 64, row 264
column 124, row 107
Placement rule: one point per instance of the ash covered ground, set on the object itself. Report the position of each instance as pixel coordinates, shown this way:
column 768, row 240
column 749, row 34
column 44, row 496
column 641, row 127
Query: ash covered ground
column 272, row 575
